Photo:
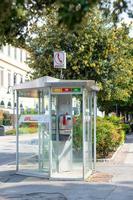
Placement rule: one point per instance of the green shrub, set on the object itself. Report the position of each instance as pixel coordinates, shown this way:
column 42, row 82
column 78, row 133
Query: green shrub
column 126, row 128
column 11, row 132
column 114, row 119
column 110, row 134
column 27, row 130
column 77, row 133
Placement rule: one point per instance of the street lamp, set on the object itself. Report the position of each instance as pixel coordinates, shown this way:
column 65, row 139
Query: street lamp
column 13, row 92
column 15, row 78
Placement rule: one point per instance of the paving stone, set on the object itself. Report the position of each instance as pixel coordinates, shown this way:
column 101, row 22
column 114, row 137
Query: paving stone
column 100, row 177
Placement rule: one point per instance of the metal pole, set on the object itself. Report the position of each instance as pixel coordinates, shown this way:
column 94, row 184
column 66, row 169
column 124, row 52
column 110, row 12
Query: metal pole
column 95, row 115
column 50, row 134
column 17, row 134
column 90, row 129
column 14, row 82
column 61, row 74
column 84, row 131
column 14, row 120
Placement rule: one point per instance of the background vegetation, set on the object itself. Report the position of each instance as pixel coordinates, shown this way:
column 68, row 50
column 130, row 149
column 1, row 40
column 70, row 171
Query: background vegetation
column 110, row 134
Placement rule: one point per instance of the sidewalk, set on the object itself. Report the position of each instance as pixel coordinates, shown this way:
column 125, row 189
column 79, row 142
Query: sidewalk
column 119, row 184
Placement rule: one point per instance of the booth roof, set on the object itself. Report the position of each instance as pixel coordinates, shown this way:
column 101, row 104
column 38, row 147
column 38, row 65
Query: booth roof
column 48, row 81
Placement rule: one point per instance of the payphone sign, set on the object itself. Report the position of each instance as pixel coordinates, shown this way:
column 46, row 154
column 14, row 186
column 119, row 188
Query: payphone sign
column 66, row 90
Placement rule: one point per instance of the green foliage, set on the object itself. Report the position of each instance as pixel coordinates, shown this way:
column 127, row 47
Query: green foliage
column 95, row 50
column 17, row 16
column 110, row 134
column 27, row 128
column 30, row 111
column 114, row 119
column 126, row 128
column 77, row 133
column 7, row 119
column 11, row 132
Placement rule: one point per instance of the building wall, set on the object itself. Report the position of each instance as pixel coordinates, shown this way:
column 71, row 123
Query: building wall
column 13, row 69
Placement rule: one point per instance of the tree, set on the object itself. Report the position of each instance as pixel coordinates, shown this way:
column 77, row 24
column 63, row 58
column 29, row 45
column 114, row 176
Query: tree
column 17, row 16
column 96, row 50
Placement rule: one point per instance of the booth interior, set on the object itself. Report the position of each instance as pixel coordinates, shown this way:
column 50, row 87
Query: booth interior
column 56, row 128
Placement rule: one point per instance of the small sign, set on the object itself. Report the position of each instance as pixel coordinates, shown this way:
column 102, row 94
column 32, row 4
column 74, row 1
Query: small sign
column 34, row 118
column 31, row 93
column 66, row 90
column 60, row 59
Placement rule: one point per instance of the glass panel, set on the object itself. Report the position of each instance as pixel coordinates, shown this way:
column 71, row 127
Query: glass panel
column 66, row 136
column 33, row 132
column 77, row 135
column 90, row 125
column 88, row 133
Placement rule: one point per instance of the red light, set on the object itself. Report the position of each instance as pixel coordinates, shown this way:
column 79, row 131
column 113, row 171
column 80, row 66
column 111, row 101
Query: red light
column 66, row 89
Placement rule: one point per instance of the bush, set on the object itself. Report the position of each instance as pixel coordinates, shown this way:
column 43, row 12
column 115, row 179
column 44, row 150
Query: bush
column 11, row 132
column 27, row 130
column 126, row 128
column 110, row 134
column 77, row 133
column 114, row 119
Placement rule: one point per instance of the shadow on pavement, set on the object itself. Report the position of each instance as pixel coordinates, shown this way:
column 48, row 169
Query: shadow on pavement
column 10, row 176
column 54, row 190
column 129, row 138
column 6, row 158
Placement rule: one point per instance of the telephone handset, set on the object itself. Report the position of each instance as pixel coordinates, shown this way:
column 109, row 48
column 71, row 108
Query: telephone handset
column 65, row 123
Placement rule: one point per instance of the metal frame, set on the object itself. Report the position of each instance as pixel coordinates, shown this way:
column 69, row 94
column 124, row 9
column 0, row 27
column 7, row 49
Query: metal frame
column 17, row 133
column 90, row 121
column 50, row 134
column 84, row 131
column 95, row 115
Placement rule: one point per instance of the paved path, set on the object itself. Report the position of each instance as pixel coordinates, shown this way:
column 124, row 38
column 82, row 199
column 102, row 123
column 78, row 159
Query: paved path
column 119, row 186
column 121, row 168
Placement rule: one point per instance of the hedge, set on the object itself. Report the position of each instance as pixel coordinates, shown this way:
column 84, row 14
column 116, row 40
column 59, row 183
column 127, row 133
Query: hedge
column 110, row 134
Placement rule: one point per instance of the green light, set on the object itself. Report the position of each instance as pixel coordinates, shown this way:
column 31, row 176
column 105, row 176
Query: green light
column 76, row 89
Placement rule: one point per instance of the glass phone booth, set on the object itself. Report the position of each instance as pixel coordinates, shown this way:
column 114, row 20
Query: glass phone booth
column 56, row 128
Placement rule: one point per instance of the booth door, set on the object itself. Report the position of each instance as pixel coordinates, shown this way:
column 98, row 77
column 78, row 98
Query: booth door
column 87, row 133
column 66, row 135
column 33, row 133
column 61, row 134
column 43, row 147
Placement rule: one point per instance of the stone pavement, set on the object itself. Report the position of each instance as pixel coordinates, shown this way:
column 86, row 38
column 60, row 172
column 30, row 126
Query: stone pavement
column 112, row 181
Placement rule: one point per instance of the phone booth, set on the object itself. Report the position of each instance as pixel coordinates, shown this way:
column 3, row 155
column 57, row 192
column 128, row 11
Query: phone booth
column 56, row 128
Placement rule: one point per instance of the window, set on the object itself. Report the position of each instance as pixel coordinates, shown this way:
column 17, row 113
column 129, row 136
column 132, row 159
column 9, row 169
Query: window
column 15, row 53
column 2, row 104
column 21, row 55
column 21, row 105
column 9, row 50
column 9, row 104
column 1, row 49
column 9, row 78
column 1, row 77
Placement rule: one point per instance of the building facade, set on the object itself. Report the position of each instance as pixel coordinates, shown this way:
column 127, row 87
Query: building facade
column 13, row 70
